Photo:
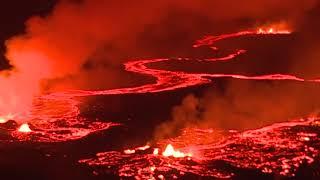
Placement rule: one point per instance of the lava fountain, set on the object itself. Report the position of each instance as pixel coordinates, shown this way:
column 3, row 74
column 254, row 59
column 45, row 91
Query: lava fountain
column 170, row 151
column 24, row 128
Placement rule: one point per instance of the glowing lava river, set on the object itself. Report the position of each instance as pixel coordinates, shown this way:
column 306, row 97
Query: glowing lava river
column 279, row 148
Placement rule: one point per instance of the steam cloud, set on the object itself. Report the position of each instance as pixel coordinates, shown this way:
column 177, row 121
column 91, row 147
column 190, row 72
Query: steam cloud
column 244, row 105
column 60, row 45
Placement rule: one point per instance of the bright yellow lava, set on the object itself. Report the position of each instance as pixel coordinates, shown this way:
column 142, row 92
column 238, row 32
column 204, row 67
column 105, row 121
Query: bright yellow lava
column 169, row 151
column 24, row 128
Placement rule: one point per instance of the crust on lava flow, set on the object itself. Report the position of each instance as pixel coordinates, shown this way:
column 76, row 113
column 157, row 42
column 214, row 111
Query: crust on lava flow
column 24, row 128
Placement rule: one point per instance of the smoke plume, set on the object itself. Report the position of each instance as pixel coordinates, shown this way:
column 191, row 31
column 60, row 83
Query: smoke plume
column 243, row 105
column 60, row 45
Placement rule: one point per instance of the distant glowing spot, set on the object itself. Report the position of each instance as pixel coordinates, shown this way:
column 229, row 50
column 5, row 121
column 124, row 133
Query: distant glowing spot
column 3, row 120
column 155, row 151
column 152, row 168
column 306, row 139
column 24, row 128
column 129, row 151
column 143, row 148
column 271, row 30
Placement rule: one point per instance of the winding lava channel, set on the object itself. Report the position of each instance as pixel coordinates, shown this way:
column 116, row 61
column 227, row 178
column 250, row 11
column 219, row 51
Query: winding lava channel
column 55, row 118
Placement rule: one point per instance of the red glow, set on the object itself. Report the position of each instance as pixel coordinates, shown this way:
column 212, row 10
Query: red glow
column 249, row 149
column 55, row 118
column 49, row 111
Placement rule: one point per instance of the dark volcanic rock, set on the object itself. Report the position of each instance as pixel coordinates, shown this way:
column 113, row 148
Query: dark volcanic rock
column 10, row 125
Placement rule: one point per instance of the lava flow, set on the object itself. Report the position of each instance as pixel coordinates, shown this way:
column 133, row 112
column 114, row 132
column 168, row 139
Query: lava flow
column 279, row 148
column 55, row 117
column 55, row 120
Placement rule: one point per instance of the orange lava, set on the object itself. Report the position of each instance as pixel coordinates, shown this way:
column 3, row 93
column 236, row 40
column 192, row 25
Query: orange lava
column 272, row 31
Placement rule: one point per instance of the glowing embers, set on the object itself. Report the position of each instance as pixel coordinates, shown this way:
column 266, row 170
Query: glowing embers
column 276, row 149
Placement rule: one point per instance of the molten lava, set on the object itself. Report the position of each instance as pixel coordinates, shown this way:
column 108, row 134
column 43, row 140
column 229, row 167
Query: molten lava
column 155, row 151
column 272, row 31
column 273, row 149
column 170, row 151
column 24, row 128
column 55, row 116
column 279, row 148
